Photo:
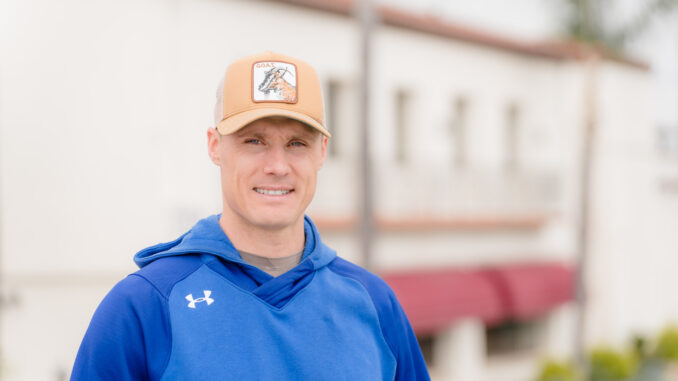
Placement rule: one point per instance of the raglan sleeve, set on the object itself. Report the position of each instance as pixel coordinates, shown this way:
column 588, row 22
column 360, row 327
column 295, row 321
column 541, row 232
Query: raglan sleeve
column 401, row 338
column 128, row 338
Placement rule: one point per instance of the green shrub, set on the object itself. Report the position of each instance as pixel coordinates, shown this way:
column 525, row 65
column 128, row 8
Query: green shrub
column 609, row 365
column 556, row 371
column 667, row 344
column 639, row 345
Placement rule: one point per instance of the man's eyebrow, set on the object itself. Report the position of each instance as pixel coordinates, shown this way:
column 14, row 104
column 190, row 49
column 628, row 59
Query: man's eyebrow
column 254, row 134
column 305, row 134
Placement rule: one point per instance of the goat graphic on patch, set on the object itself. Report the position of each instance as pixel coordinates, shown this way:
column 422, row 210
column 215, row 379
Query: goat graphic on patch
column 274, row 82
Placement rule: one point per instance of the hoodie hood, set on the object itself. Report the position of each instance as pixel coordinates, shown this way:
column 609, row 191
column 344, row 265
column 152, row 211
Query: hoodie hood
column 207, row 237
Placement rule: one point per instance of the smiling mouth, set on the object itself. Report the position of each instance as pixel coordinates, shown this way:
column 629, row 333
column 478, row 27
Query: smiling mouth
column 273, row 192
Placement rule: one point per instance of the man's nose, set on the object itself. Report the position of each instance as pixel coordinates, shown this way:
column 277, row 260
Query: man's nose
column 276, row 162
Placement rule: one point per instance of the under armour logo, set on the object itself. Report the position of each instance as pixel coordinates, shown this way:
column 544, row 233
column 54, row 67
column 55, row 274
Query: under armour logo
column 205, row 298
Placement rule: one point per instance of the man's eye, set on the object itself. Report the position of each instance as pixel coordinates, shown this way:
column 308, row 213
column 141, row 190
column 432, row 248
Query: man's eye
column 253, row 141
column 297, row 144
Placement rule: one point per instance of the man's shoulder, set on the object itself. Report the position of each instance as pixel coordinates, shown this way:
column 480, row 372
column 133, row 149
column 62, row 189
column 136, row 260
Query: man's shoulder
column 377, row 288
column 164, row 273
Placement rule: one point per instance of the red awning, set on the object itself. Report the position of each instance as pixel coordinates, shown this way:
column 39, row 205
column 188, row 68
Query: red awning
column 530, row 290
column 434, row 299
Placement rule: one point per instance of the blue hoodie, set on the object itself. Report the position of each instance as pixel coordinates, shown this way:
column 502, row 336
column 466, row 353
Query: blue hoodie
column 196, row 311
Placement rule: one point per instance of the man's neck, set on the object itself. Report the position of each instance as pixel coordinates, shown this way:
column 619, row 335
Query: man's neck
column 270, row 243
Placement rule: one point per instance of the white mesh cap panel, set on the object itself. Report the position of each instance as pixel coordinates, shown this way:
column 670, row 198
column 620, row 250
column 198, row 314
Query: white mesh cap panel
column 219, row 106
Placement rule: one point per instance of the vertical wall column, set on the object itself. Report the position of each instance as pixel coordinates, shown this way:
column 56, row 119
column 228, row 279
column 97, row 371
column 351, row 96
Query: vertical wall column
column 459, row 351
column 560, row 328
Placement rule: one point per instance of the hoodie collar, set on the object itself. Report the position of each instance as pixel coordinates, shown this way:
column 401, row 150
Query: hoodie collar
column 207, row 237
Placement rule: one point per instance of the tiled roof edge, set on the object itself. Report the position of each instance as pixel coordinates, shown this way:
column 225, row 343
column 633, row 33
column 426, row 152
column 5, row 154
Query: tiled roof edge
column 559, row 50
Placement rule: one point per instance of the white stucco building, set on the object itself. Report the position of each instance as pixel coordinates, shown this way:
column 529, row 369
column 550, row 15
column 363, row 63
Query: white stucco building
column 477, row 142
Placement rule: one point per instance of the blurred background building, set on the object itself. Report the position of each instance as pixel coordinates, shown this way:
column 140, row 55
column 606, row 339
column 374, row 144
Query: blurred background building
column 478, row 140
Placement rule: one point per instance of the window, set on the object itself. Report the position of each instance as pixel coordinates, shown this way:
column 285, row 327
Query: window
column 512, row 138
column 667, row 140
column 331, row 115
column 512, row 337
column 426, row 344
column 402, row 105
column 458, row 127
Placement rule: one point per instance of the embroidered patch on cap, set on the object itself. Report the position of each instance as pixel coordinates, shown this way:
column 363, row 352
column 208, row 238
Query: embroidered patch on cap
column 274, row 81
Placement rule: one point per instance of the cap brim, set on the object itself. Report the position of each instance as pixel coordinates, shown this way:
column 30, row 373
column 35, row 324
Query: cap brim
column 238, row 121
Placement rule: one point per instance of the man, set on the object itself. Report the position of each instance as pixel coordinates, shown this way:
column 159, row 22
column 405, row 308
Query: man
column 253, row 293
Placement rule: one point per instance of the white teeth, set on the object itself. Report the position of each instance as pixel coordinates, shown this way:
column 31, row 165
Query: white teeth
column 279, row 192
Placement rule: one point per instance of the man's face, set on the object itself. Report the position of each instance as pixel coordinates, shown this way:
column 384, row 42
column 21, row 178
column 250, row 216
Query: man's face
column 268, row 171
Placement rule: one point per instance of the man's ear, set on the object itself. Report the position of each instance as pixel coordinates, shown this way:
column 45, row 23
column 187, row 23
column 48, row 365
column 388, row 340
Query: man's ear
column 323, row 150
column 213, row 139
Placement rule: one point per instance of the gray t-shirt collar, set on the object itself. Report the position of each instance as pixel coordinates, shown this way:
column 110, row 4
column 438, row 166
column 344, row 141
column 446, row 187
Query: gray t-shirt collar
column 272, row 266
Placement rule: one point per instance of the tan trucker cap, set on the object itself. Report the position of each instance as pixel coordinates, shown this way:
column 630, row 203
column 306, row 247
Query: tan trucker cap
column 268, row 84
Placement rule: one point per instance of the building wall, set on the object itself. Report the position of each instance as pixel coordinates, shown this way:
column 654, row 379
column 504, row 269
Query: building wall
column 628, row 247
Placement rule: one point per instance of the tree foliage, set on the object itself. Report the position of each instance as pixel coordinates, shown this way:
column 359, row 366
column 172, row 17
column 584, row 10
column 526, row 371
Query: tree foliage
column 557, row 371
column 593, row 21
column 667, row 345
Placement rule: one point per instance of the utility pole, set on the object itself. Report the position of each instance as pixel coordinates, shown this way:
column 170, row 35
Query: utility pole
column 365, row 14
column 584, row 33
column 584, row 242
